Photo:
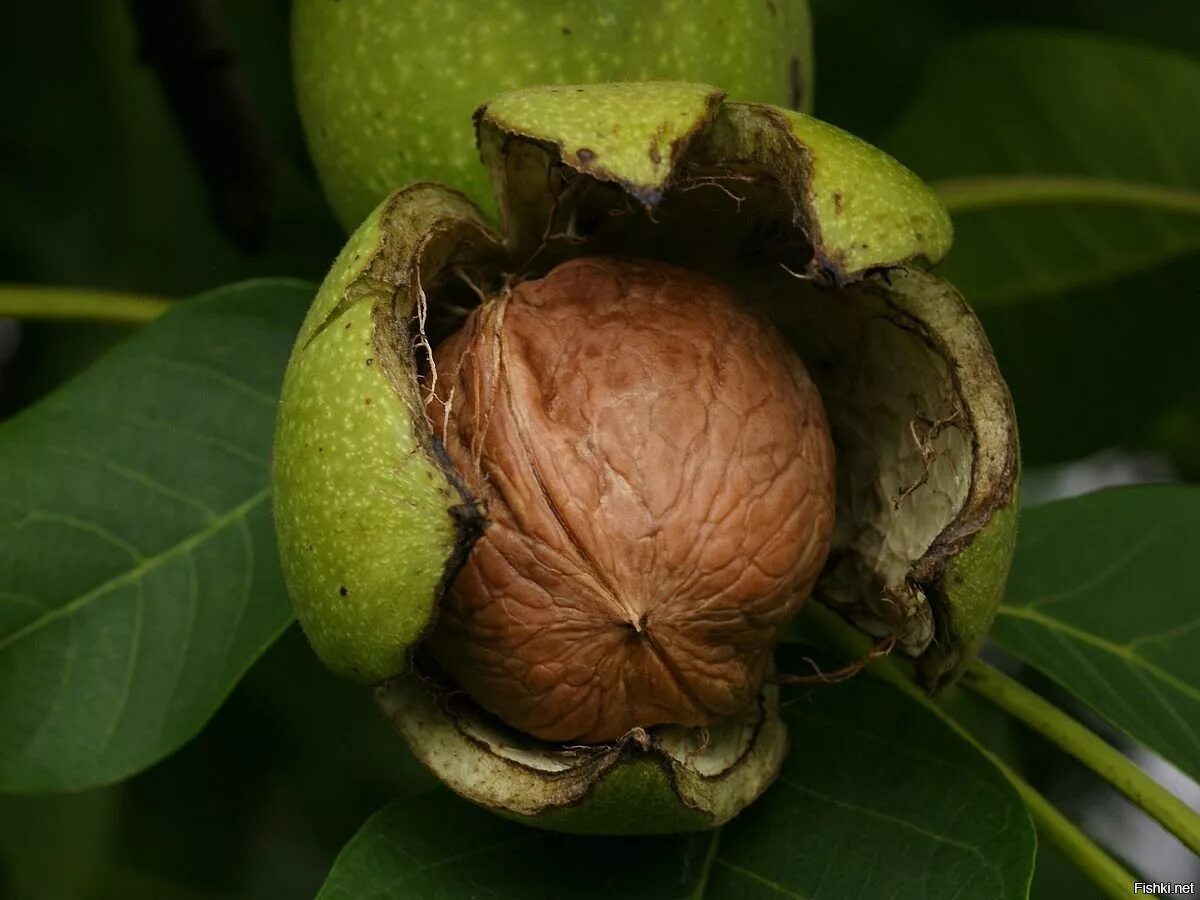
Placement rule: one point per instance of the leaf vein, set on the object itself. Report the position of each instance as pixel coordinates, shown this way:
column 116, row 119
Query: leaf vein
column 1100, row 576
column 92, row 528
column 132, row 575
column 13, row 597
column 902, row 823
column 754, row 876
column 136, row 477
column 211, row 374
column 1121, row 651
column 135, row 640
column 171, row 428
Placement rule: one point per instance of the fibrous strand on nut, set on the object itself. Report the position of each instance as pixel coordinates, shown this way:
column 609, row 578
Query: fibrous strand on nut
column 658, row 473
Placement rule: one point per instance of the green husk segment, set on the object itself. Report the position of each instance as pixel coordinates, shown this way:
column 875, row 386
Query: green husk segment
column 927, row 458
column 861, row 208
column 651, row 783
column 629, row 133
column 972, row 585
column 637, row 796
column 858, row 207
column 367, row 517
column 963, row 571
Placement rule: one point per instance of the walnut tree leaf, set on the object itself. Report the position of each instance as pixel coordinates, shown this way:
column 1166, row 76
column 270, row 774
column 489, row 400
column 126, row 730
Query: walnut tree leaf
column 878, row 798
column 138, row 577
column 1066, row 159
column 1102, row 598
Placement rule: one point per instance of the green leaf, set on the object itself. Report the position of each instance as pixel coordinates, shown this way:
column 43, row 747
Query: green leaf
column 853, row 51
column 1070, row 158
column 1102, row 598
column 878, row 797
column 1100, row 367
column 138, row 577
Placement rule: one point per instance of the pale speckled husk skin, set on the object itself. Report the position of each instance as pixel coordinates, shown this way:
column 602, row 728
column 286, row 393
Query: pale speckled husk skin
column 372, row 522
column 353, row 492
column 386, row 88
column 861, row 209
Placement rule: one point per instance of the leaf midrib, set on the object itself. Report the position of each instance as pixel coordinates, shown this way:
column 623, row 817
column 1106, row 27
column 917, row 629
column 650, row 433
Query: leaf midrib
column 1121, row 651
column 148, row 564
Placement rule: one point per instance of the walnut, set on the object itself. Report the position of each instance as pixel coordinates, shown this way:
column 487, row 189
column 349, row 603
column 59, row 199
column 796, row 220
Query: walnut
column 658, row 476
column 652, row 459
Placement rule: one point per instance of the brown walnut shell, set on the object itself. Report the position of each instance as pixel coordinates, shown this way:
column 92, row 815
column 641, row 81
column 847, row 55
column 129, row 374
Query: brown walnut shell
column 658, row 475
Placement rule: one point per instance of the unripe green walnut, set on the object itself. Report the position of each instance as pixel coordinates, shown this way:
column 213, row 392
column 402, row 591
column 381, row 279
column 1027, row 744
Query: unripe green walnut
column 822, row 235
column 386, row 88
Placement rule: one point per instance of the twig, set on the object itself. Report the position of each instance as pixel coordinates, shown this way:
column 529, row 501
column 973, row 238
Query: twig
column 189, row 47
column 67, row 303
column 1086, row 746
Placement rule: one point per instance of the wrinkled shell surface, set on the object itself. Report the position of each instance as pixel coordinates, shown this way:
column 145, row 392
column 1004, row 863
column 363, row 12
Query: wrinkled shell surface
column 658, row 475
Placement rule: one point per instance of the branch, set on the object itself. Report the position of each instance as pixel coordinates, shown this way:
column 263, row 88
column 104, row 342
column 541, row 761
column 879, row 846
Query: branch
column 187, row 44
column 1089, row 748
column 73, row 304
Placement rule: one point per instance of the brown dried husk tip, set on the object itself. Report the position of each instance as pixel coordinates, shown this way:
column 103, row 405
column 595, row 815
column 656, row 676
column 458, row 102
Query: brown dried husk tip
column 881, row 648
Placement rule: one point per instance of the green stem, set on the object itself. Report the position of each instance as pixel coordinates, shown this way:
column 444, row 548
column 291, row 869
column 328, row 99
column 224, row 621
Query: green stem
column 73, row 304
column 1103, row 871
column 989, row 192
column 1086, row 746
